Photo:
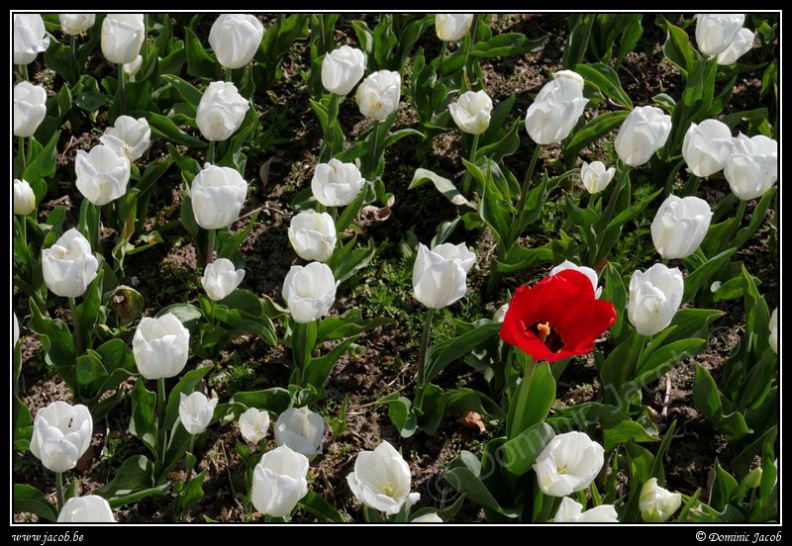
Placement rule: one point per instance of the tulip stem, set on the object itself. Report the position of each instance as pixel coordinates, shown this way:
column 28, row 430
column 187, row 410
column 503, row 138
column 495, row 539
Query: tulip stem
column 373, row 160
column 421, row 381
column 122, row 88
column 22, row 155
column 736, row 223
column 229, row 75
column 97, row 230
column 190, row 462
column 24, row 70
column 473, row 150
column 691, row 187
column 527, row 180
column 78, row 341
column 519, row 405
column 59, row 489
column 614, row 198
column 332, row 122
column 210, row 244
column 161, row 402
column 210, row 154
column 443, row 50
column 74, row 44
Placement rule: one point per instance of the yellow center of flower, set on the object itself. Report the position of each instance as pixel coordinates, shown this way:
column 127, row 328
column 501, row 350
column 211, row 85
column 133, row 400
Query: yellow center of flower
column 391, row 489
column 562, row 469
column 547, row 335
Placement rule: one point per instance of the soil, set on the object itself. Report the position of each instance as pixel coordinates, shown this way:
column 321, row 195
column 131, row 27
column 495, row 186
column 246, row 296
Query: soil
column 165, row 274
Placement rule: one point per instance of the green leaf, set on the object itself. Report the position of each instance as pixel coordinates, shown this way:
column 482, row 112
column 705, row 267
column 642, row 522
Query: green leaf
column 44, row 163
column 187, row 91
column 319, row 507
column 60, row 58
column 665, row 358
column 438, row 404
column 318, row 369
column 57, row 341
column 400, row 413
column 723, row 485
column 348, row 324
column 698, row 279
column 443, row 185
column 199, row 63
column 29, row 499
column 533, row 401
column 464, row 475
column 505, row 45
column 520, row 452
column 131, row 483
column 165, row 128
column 143, row 424
column 604, row 78
column 193, row 491
column 592, row 131
column 627, row 431
column 441, row 355
column 275, row 400
column 90, row 368
column 677, row 48
column 709, row 401
column 615, row 292
column 188, row 315
column 189, row 383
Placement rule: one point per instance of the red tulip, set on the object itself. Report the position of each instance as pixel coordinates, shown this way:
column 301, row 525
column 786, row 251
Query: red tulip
column 557, row 318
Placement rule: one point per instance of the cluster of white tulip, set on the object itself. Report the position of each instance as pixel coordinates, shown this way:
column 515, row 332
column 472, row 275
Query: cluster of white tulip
column 556, row 109
column 440, row 275
column 722, row 36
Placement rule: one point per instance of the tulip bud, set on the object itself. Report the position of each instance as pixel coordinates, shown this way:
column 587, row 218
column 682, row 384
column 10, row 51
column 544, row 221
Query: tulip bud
column 74, row 24
column 68, row 265
column 655, row 297
column 571, row 75
column 595, row 177
column 431, row 517
column 254, row 424
column 24, row 198
column 752, row 167
column 381, row 480
column 129, row 137
column 16, row 329
column 87, row 509
column 500, row 314
column 643, row 132
column 279, row 482
column 707, row 147
column 61, row 435
column 568, row 463
column 772, row 338
column 122, row 37
column 440, row 274
column 235, row 38
column 309, row 291
column 301, row 429
column 715, row 32
column 196, row 411
column 680, row 225
column 132, row 68
column 656, row 503
column 217, row 194
column 221, row 111
column 29, row 108
column 30, row 37
column 471, row 112
column 102, row 174
column 313, row 235
column 587, row 271
column 452, row 27
column 342, row 69
column 221, row 278
column 742, row 44
column 336, row 184
column 160, row 346
column 378, row 96
column 571, row 511
column 555, row 112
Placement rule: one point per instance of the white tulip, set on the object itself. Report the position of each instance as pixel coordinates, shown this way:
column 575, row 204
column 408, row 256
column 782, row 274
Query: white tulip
column 217, row 195
column 132, row 68
column 24, row 198
column 716, row 31
column 235, row 38
column 772, row 338
column 452, row 27
column 655, row 297
column 313, row 235
column 571, row 511
column 431, row 517
column 129, row 137
column 254, row 424
column 87, row 509
column 221, row 111
column 643, row 132
column 680, row 226
column 16, row 329
column 220, row 278
column 556, row 111
column 122, row 37
column 500, row 314
column 61, row 435
column 30, row 108
column 595, row 176
column 196, row 411
column 301, row 429
column 381, row 480
column 30, row 37
column 587, row 271
column 752, row 168
column 336, row 184
column 160, row 346
column 742, row 44
column 68, row 265
column 707, row 147
column 440, row 275
column 342, row 69
column 309, row 291
column 74, row 24
column 656, row 503
column 378, row 96
column 279, row 482
column 571, row 75
column 471, row 112
column 568, row 463
column 102, row 174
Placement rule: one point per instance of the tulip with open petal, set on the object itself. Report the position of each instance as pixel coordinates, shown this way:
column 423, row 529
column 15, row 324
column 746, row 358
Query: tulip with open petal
column 61, row 435
column 568, row 463
column 381, row 480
